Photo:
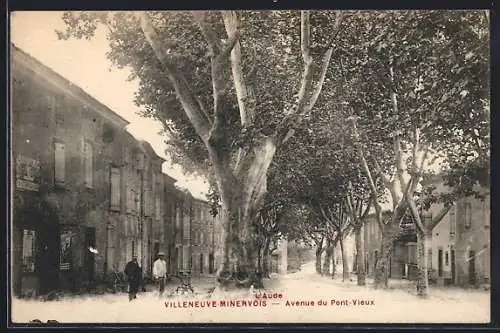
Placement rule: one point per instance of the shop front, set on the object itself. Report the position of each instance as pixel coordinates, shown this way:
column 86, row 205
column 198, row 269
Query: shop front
column 35, row 245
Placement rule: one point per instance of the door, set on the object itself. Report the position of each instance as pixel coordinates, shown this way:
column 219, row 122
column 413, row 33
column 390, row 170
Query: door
column 211, row 263
column 178, row 258
column 440, row 262
column 472, row 267
column 201, row 263
column 48, row 258
column 452, row 253
column 156, row 249
column 89, row 257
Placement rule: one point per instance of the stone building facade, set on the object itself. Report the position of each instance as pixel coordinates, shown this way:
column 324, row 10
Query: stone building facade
column 403, row 260
column 87, row 195
column 63, row 144
column 459, row 251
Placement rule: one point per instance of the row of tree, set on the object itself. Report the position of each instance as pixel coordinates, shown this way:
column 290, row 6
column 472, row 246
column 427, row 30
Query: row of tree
column 305, row 122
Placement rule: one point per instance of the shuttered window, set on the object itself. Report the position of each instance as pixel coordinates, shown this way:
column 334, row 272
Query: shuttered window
column 115, row 188
column 452, row 222
column 88, row 163
column 185, row 258
column 28, row 253
column 158, row 206
column 59, row 162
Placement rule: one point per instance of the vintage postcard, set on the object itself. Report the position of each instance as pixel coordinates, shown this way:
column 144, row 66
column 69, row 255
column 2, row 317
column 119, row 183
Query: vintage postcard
column 274, row 166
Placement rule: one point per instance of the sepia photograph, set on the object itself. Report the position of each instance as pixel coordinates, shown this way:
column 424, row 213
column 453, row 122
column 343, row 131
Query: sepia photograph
column 250, row 166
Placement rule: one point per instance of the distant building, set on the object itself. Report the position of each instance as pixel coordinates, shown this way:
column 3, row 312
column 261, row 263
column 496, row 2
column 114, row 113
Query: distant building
column 202, row 238
column 167, row 235
column 460, row 246
column 459, row 251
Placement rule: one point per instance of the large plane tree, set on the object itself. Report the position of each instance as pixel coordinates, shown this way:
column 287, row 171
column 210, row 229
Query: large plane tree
column 229, row 88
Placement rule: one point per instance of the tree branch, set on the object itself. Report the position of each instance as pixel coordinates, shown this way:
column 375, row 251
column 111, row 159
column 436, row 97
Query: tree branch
column 399, row 163
column 243, row 92
column 350, row 209
column 231, row 43
column 305, row 34
column 387, row 182
column 371, row 182
column 319, row 84
column 415, row 213
column 214, row 43
column 367, row 209
column 436, row 219
column 308, row 93
column 188, row 101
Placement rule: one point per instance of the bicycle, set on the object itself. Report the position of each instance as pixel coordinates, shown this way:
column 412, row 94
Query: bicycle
column 117, row 281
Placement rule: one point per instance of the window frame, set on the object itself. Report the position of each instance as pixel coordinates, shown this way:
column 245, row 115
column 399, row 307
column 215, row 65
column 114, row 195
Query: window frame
column 88, row 162
column 115, row 206
column 59, row 165
column 32, row 258
column 453, row 221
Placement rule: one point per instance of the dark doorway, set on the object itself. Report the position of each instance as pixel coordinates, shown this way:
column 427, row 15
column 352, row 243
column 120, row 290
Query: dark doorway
column 178, row 260
column 472, row 268
column 150, row 257
column 440, row 262
column 89, row 257
column 156, row 249
column 390, row 266
column 47, row 264
column 201, row 263
column 452, row 253
column 211, row 263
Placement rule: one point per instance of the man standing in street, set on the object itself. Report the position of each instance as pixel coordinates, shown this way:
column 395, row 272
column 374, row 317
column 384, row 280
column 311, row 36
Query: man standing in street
column 160, row 272
column 133, row 273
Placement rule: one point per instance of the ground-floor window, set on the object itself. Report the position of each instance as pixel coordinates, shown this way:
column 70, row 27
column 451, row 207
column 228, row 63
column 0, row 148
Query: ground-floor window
column 66, row 255
column 29, row 241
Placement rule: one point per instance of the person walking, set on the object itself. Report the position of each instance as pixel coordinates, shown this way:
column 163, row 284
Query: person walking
column 133, row 273
column 160, row 272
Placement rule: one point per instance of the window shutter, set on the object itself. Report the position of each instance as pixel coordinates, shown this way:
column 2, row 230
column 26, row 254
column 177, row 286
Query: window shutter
column 130, row 198
column 89, row 167
column 158, row 206
column 60, row 162
column 452, row 222
column 185, row 257
column 115, row 188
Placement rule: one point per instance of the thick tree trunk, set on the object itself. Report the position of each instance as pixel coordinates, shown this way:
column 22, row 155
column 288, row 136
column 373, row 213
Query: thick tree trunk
column 328, row 259
column 266, row 260
column 319, row 251
column 345, row 266
column 360, row 256
column 334, row 265
column 241, row 193
column 422, row 271
column 260, row 258
column 383, row 262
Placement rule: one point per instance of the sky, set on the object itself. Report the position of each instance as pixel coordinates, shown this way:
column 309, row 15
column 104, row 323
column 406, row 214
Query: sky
column 85, row 64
